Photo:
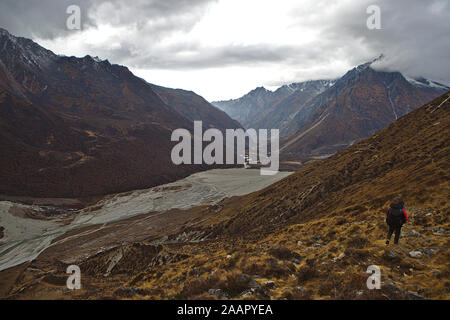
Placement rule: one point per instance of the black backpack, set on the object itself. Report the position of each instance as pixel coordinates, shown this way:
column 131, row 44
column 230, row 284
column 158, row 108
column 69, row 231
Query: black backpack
column 395, row 216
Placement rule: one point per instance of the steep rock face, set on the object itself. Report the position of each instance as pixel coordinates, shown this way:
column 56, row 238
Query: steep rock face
column 248, row 108
column 264, row 109
column 290, row 97
column 73, row 127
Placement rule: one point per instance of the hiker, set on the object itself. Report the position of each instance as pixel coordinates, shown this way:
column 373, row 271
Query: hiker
column 395, row 218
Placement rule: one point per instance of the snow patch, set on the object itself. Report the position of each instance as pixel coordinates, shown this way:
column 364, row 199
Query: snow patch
column 422, row 82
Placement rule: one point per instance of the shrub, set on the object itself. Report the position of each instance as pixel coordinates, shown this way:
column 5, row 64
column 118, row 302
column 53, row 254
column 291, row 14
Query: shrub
column 283, row 253
column 357, row 254
column 298, row 295
column 306, row 273
column 351, row 285
column 331, row 235
column 329, row 287
column 198, row 286
column 235, row 285
column 357, row 242
column 277, row 270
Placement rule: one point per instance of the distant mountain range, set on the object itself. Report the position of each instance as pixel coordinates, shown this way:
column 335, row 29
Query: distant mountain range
column 262, row 108
column 73, row 127
column 318, row 118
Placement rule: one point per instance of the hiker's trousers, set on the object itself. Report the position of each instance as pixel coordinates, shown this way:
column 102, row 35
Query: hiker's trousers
column 397, row 230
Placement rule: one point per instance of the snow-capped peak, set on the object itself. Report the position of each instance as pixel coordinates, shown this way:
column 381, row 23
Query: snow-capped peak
column 97, row 59
column 422, row 82
column 368, row 64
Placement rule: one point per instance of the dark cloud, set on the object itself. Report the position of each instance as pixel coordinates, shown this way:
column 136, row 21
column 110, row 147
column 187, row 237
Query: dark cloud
column 39, row 18
column 415, row 38
column 415, row 35
column 46, row 19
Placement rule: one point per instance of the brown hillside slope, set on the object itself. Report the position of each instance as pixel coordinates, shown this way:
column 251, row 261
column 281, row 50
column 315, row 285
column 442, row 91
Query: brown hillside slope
column 312, row 234
column 196, row 108
column 411, row 157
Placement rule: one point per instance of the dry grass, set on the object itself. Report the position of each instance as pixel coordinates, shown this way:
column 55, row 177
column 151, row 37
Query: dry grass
column 336, row 209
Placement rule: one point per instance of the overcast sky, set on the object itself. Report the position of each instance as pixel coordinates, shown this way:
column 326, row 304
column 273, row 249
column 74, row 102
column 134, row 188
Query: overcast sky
column 222, row 49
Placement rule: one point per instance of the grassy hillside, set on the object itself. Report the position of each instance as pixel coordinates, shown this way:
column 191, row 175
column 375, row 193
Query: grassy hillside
column 309, row 236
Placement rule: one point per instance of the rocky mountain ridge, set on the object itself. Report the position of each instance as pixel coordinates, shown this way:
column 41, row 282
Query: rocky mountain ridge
column 79, row 127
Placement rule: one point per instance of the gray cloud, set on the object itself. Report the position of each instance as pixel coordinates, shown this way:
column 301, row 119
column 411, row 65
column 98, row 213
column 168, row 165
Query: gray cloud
column 208, row 57
column 39, row 18
column 46, row 19
column 202, row 56
column 415, row 35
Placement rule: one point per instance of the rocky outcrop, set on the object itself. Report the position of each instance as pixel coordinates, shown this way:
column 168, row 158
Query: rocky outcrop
column 265, row 109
